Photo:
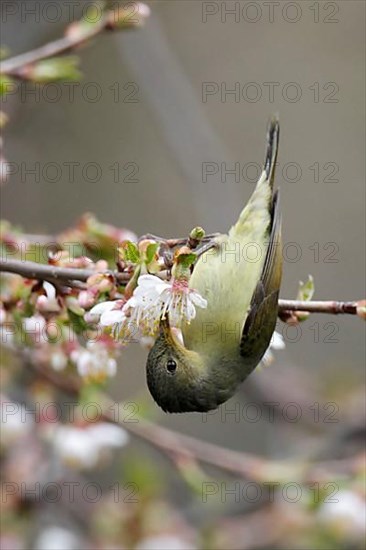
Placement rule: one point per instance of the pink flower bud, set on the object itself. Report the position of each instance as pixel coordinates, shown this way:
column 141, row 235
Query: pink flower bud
column 86, row 299
column 47, row 305
column 101, row 265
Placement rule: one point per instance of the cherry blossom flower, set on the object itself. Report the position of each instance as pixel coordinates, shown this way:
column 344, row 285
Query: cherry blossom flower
column 48, row 303
column 94, row 362
column 82, row 447
column 277, row 343
column 154, row 298
column 86, row 299
column 35, row 327
column 58, row 360
column 111, row 314
column 98, row 313
column 346, row 512
column 56, row 538
column 15, row 421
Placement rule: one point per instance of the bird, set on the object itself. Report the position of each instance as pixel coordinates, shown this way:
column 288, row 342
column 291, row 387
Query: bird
column 240, row 277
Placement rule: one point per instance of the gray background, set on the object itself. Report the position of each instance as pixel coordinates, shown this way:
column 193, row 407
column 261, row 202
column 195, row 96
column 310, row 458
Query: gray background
column 169, row 132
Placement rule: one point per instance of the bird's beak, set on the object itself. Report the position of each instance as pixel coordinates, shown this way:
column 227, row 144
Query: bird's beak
column 165, row 329
column 170, row 334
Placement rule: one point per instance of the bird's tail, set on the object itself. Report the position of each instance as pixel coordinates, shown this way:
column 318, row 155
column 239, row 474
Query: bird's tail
column 273, row 136
column 257, row 213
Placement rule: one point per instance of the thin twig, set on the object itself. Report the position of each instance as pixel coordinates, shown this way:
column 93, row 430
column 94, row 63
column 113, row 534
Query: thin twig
column 68, row 275
column 333, row 307
column 246, row 465
column 120, row 16
column 45, row 272
column 15, row 65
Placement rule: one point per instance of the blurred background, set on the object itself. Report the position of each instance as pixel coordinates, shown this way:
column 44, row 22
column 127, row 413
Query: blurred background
column 166, row 130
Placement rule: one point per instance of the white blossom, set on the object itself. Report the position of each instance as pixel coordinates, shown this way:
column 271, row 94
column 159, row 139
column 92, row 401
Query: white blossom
column 106, row 434
column 58, row 360
column 348, row 511
column 82, row 447
column 151, row 301
column 94, row 361
column 154, row 298
column 48, row 302
column 57, row 538
column 15, row 421
column 277, row 343
column 35, row 327
column 110, row 314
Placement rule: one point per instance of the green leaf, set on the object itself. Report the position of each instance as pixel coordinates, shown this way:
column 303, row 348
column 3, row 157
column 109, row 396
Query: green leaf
column 186, row 260
column 77, row 322
column 56, row 68
column 73, row 306
column 306, row 290
column 130, row 252
column 7, row 84
column 151, row 251
column 305, row 293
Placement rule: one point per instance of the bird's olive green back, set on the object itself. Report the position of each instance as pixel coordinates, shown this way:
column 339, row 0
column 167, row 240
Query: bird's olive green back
column 240, row 278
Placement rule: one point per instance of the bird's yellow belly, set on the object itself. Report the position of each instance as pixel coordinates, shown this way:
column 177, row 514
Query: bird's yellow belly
column 226, row 277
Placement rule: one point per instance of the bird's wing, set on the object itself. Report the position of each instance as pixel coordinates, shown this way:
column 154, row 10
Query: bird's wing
column 261, row 320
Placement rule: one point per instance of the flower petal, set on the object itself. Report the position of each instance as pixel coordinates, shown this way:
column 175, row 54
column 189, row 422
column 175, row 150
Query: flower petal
column 148, row 280
column 112, row 317
column 50, row 290
column 148, row 284
column 197, row 299
column 102, row 307
column 105, row 434
column 190, row 311
column 277, row 341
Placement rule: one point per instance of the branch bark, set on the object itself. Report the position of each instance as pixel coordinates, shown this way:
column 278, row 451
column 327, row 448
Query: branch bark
column 331, row 307
column 71, row 277
column 45, row 272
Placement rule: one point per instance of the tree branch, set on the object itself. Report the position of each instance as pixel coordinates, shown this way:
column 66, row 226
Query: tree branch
column 333, row 307
column 246, row 465
column 110, row 19
column 44, row 272
column 15, row 65
column 71, row 277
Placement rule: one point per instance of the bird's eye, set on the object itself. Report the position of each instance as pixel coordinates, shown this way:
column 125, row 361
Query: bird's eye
column 171, row 366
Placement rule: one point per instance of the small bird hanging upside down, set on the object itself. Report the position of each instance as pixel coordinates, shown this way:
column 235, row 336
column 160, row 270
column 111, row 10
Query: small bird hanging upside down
column 240, row 277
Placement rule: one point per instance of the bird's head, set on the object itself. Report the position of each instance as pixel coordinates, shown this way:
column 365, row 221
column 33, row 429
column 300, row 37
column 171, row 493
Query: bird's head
column 177, row 377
